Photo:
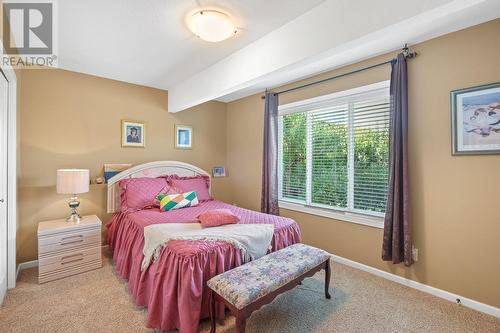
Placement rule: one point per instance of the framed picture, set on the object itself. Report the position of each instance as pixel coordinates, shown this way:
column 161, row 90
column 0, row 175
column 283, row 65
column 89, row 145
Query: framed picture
column 113, row 169
column 183, row 137
column 219, row 171
column 475, row 116
column 133, row 134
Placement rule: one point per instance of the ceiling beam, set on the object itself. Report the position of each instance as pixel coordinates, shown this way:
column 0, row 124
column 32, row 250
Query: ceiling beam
column 331, row 35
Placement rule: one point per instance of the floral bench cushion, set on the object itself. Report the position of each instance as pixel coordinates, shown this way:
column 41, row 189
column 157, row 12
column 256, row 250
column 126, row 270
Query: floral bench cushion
column 247, row 283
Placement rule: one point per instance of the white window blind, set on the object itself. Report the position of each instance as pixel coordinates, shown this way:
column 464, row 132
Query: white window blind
column 329, row 138
column 371, row 154
column 293, row 155
column 333, row 151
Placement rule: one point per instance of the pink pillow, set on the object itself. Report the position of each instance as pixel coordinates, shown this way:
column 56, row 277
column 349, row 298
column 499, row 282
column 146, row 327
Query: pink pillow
column 139, row 193
column 199, row 184
column 217, row 217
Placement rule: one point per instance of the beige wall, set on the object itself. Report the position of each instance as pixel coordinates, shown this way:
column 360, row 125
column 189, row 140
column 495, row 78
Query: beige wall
column 72, row 120
column 454, row 199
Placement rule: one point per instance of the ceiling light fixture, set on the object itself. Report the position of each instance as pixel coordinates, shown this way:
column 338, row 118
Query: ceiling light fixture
column 211, row 25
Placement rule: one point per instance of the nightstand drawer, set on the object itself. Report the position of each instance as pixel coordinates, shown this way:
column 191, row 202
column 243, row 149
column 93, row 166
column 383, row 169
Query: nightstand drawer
column 62, row 262
column 64, row 241
column 68, row 248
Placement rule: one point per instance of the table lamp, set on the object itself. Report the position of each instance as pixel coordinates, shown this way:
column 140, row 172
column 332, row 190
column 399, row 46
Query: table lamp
column 73, row 182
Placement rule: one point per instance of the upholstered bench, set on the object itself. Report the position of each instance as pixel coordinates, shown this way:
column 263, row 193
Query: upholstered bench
column 257, row 283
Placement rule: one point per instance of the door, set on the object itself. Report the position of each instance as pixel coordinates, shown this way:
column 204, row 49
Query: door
column 4, row 89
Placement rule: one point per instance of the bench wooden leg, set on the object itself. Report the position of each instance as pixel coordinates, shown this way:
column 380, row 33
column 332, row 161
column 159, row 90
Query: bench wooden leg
column 240, row 324
column 212, row 313
column 327, row 279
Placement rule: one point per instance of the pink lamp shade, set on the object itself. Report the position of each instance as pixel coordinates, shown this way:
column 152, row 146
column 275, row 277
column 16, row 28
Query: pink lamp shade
column 72, row 181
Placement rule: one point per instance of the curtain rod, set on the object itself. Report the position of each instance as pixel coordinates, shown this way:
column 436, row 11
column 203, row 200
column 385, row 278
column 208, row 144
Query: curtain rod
column 406, row 52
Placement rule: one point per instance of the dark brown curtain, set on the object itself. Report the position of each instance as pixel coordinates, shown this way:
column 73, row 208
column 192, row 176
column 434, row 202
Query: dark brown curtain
column 397, row 243
column 269, row 199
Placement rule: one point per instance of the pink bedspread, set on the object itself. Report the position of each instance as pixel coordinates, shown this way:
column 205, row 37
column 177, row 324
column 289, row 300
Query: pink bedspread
column 174, row 287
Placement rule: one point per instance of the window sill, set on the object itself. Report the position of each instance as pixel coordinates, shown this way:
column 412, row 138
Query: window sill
column 371, row 221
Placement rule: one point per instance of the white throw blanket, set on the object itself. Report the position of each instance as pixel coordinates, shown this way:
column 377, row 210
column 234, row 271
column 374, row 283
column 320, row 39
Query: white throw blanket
column 253, row 240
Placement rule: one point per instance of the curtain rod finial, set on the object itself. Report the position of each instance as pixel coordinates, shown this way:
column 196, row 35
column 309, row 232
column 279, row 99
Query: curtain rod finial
column 265, row 94
column 406, row 52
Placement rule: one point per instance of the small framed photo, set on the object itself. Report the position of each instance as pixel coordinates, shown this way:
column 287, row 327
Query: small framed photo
column 111, row 170
column 476, row 120
column 183, row 137
column 219, row 171
column 133, row 134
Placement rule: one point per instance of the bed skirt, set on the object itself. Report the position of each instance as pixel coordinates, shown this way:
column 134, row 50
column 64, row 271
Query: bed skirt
column 174, row 287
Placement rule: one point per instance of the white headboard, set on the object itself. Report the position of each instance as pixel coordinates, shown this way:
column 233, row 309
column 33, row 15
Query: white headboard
column 151, row 170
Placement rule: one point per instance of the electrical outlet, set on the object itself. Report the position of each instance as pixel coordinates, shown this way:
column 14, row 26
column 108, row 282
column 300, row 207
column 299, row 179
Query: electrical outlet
column 414, row 253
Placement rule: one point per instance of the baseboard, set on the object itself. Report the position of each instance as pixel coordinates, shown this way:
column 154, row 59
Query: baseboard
column 26, row 265
column 34, row 263
column 460, row 300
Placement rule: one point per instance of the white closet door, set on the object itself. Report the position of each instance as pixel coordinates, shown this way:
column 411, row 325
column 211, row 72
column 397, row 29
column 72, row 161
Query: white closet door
column 4, row 89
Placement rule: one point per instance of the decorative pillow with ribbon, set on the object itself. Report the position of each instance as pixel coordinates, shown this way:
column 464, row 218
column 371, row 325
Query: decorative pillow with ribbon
column 170, row 202
column 217, row 217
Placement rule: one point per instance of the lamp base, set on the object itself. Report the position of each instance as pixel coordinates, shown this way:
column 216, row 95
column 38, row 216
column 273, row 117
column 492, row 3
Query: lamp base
column 73, row 204
column 74, row 218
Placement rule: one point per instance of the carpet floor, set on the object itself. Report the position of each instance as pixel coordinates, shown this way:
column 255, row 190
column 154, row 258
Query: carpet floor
column 98, row 301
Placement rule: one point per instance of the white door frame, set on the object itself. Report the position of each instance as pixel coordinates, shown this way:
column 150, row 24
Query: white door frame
column 10, row 74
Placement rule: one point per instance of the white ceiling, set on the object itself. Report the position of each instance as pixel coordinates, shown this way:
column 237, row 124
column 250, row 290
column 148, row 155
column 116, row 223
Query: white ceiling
column 333, row 34
column 147, row 42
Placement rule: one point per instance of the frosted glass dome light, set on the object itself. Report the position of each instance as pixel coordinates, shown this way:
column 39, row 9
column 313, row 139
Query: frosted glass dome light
column 211, row 25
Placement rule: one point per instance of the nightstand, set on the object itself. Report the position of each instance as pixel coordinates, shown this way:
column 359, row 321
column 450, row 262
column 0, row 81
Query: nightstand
column 68, row 248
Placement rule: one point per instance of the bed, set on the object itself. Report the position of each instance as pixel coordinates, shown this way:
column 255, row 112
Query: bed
column 173, row 288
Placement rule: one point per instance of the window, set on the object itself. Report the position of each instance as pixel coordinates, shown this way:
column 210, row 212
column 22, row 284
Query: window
column 334, row 149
